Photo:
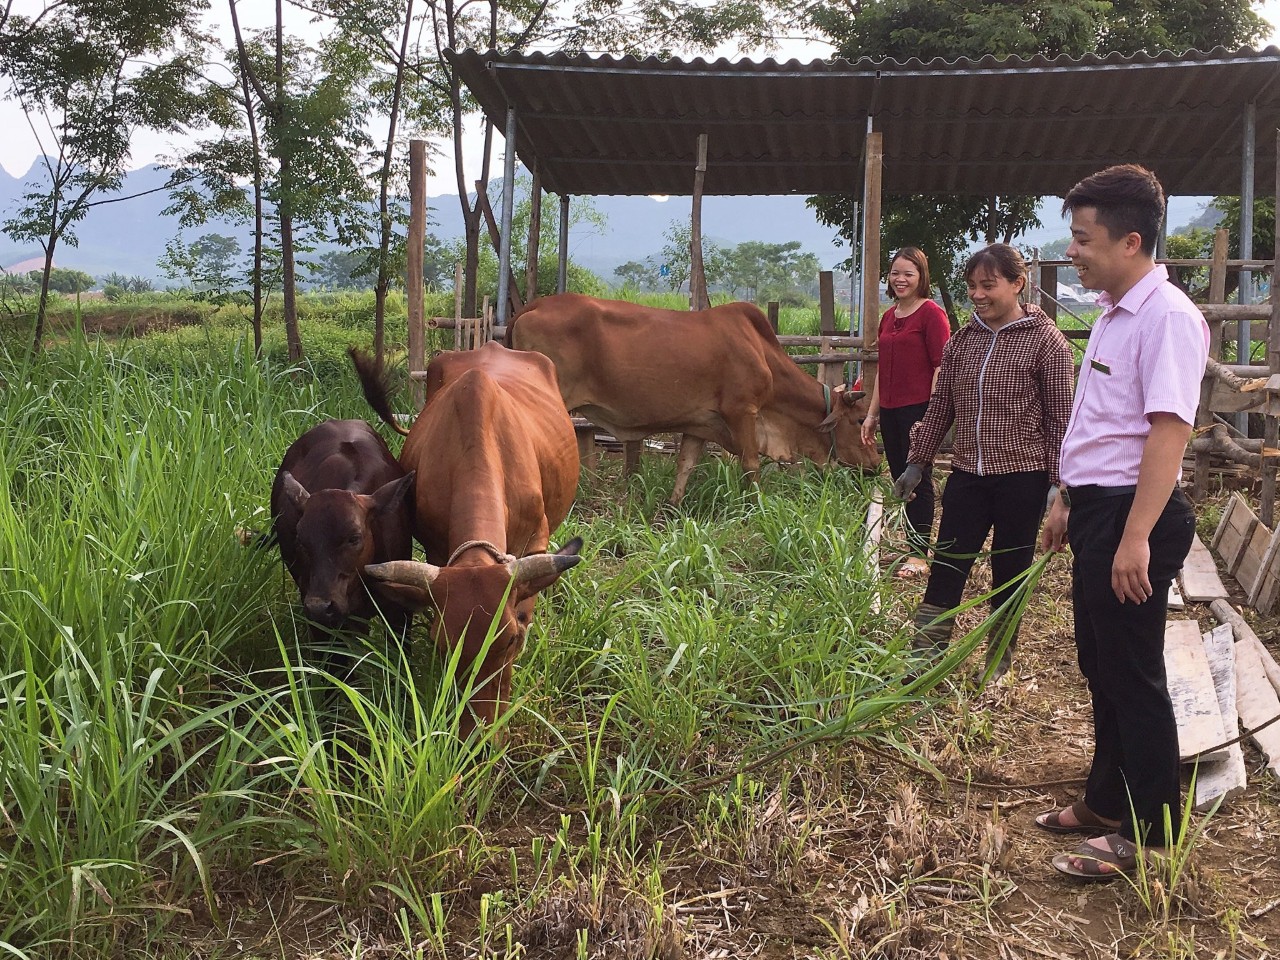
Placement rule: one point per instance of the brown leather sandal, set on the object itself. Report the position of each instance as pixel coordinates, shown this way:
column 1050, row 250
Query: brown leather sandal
column 1090, row 863
column 1087, row 822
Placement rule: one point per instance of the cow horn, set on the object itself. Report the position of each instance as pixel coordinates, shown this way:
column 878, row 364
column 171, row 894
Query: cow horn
column 541, row 565
column 409, row 572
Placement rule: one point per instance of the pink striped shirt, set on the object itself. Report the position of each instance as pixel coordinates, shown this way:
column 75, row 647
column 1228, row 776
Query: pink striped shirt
column 1146, row 355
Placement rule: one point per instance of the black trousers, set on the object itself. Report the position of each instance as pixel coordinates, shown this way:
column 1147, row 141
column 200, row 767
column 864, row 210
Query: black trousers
column 1120, row 647
column 1011, row 504
column 895, row 430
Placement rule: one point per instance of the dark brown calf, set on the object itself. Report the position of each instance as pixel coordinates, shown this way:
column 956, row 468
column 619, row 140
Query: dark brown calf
column 340, row 500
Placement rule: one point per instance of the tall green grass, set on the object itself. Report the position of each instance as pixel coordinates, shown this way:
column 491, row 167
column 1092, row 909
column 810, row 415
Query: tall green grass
column 166, row 733
column 140, row 754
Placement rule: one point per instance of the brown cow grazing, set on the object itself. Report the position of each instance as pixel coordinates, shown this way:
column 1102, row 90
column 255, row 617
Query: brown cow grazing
column 717, row 374
column 340, row 502
column 497, row 466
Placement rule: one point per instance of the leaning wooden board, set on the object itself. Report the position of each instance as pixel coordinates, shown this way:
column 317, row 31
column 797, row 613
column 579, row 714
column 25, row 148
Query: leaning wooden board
column 1195, row 700
column 1222, row 780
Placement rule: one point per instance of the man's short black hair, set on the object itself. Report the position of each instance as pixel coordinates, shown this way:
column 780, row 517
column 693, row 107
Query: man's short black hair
column 1128, row 198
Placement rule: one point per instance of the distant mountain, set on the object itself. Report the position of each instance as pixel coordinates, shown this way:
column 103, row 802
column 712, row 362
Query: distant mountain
column 129, row 237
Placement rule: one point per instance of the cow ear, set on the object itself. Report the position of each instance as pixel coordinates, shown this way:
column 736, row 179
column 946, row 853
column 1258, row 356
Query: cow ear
column 388, row 497
column 829, row 424
column 295, row 491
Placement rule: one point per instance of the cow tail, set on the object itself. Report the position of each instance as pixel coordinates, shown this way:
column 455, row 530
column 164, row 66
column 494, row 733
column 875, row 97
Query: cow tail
column 373, row 380
column 509, row 340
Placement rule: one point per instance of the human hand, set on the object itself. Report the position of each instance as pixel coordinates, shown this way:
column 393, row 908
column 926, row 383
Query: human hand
column 1053, row 536
column 869, row 427
column 1129, row 578
column 904, row 487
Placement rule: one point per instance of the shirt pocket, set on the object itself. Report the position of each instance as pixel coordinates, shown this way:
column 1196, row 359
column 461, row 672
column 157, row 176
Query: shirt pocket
column 1113, row 396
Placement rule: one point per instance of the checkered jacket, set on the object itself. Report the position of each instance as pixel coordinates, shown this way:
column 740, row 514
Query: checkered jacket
column 1008, row 393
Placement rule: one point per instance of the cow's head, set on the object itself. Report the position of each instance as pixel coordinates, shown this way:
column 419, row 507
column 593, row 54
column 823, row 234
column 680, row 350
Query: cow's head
column 337, row 535
column 844, row 423
column 468, row 600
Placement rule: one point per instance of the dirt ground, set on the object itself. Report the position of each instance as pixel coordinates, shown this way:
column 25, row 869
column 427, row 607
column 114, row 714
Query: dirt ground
column 885, row 861
column 867, row 855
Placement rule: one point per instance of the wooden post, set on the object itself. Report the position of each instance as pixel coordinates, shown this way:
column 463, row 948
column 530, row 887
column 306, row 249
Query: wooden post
column 828, row 373
column 1271, row 425
column 826, row 304
column 415, row 243
column 773, row 315
column 871, row 253
column 457, row 306
column 698, row 299
column 1049, row 290
column 562, row 272
column 1204, row 417
column 477, row 328
column 535, row 237
column 495, row 237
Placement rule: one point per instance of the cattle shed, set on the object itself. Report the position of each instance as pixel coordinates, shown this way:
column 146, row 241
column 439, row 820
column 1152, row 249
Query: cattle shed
column 1205, row 121
column 590, row 125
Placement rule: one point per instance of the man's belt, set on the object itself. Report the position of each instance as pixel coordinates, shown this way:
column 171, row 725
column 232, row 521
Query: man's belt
column 1088, row 492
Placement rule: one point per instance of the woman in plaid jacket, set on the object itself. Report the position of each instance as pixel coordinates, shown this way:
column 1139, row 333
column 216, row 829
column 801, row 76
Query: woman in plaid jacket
column 1006, row 384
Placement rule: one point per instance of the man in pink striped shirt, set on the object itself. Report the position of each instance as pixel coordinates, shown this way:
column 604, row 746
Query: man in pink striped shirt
column 1128, row 525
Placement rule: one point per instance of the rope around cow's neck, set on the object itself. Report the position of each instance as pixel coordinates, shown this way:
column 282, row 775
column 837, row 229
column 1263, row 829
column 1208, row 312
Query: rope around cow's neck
column 499, row 555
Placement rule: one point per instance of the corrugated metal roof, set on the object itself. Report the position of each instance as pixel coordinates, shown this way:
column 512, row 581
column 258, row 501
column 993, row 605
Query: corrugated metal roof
column 623, row 125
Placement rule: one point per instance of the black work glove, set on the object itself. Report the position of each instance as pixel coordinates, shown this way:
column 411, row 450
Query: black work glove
column 904, row 487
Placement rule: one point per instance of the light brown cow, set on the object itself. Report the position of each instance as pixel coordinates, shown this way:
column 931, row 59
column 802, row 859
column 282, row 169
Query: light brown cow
column 497, row 466
column 717, row 375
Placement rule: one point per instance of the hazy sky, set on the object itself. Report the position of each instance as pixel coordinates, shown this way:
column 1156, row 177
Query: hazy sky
column 19, row 146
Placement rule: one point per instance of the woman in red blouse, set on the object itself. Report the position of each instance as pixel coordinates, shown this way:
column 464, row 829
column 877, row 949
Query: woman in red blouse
column 912, row 334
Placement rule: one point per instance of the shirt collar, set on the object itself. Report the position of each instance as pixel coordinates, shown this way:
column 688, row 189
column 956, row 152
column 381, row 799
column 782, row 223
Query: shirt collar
column 1137, row 295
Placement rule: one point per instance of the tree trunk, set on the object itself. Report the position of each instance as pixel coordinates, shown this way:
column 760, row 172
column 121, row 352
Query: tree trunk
column 252, row 120
column 384, row 211
column 285, row 206
column 38, row 338
column 949, row 305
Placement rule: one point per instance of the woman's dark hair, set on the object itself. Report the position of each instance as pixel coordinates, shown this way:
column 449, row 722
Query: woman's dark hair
column 1000, row 259
column 1128, row 198
column 916, row 257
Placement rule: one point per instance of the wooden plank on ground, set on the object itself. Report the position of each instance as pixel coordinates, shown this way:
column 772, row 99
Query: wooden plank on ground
column 1263, row 593
column 1234, row 533
column 1200, row 580
column 1219, row 781
column 1250, row 566
column 1195, row 701
column 1258, row 703
column 1222, row 521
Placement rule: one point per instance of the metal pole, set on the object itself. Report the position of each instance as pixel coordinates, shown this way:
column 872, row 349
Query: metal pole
column 1243, row 334
column 508, row 203
column 562, row 278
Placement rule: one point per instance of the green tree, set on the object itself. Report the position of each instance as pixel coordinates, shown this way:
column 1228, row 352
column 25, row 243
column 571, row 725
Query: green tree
column 770, row 271
column 927, row 29
column 675, row 256
column 209, row 264
column 62, row 280
column 584, row 220
column 89, row 75
column 294, row 119
column 637, row 275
